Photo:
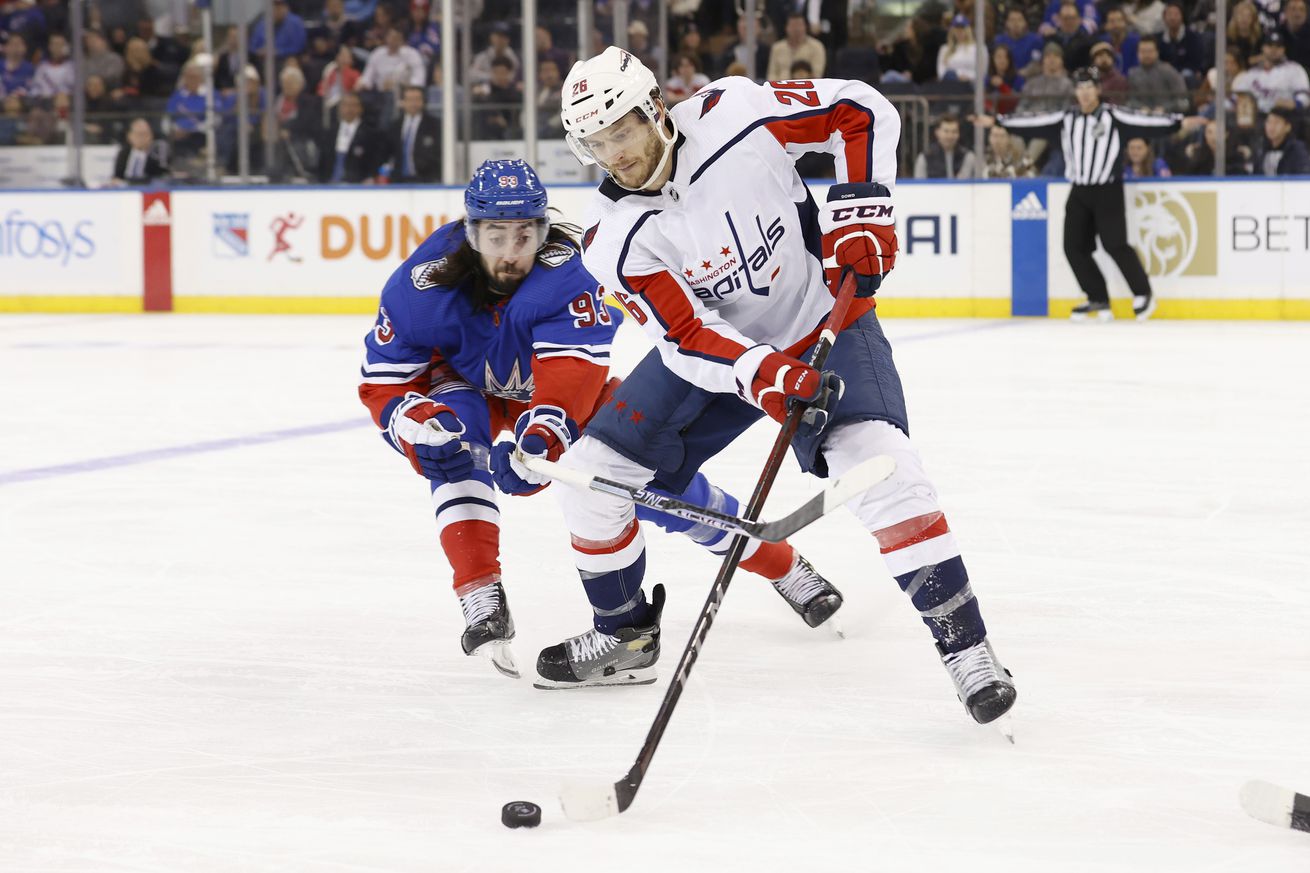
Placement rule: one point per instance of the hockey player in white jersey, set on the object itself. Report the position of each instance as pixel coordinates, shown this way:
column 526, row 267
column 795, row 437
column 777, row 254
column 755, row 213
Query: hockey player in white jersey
column 708, row 237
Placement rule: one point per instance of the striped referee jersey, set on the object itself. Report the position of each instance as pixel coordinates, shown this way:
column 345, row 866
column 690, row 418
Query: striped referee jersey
column 1093, row 142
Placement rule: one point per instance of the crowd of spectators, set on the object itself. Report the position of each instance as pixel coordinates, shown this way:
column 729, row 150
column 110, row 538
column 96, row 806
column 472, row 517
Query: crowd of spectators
column 357, row 90
column 1151, row 55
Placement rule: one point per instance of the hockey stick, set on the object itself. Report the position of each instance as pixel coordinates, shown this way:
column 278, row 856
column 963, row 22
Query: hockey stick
column 593, row 802
column 856, row 481
column 1279, row 806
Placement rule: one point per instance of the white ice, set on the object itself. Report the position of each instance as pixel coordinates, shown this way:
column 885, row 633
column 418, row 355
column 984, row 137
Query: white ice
column 247, row 659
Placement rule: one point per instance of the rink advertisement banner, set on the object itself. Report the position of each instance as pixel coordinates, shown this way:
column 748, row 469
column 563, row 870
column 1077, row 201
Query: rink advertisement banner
column 331, row 250
column 1213, row 249
column 1225, row 249
column 290, row 250
column 70, row 251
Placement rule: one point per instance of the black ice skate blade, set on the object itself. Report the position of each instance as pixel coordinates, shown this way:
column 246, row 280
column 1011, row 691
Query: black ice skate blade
column 623, row 677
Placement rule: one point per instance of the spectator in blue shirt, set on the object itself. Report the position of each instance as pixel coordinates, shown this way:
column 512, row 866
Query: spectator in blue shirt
column 1024, row 45
column 1091, row 18
column 1121, row 39
column 17, row 71
column 186, row 108
column 25, row 20
column 424, row 35
column 360, row 10
column 288, row 33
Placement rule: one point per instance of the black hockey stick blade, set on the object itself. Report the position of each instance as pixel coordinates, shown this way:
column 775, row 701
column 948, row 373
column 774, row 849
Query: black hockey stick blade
column 853, row 483
column 1276, row 805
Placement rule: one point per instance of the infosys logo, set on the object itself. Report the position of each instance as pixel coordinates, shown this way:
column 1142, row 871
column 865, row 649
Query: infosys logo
column 51, row 240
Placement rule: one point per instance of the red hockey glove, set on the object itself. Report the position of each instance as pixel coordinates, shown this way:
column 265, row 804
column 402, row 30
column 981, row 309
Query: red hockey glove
column 859, row 235
column 781, row 378
column 429, row 434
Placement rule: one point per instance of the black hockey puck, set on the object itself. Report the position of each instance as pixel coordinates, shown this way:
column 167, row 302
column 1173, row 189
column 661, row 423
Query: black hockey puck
column 520, row 814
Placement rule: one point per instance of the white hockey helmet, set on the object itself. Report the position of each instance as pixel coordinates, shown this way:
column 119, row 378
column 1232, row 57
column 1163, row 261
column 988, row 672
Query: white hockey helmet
column 600, row 91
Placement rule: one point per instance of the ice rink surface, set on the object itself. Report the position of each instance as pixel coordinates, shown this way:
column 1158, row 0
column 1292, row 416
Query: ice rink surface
column 228, row 640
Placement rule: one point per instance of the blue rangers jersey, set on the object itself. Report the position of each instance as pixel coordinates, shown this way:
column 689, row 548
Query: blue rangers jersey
column 548, row 343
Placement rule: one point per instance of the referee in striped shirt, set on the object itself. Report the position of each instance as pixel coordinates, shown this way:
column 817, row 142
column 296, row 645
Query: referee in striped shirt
column 1093, row 138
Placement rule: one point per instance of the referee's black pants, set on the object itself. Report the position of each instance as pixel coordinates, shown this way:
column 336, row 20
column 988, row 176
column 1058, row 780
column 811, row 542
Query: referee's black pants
column 1095, row 210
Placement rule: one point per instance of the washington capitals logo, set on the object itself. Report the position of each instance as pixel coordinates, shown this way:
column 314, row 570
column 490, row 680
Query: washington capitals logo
column 712, row 98
column 627, row 58
column 588, row 235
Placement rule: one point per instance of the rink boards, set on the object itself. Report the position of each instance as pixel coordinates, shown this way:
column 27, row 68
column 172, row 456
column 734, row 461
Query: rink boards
column 1213, row 248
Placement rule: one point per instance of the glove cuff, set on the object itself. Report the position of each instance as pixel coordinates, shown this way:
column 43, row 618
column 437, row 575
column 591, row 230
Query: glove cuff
column 553, row 420
column 746, row 368
column 856, row 203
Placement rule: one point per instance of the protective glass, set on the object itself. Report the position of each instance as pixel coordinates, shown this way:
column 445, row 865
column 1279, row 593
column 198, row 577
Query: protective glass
column 626, row 139
column 507, row 239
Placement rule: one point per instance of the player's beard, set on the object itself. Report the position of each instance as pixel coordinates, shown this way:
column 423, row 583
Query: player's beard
column 506, row 278
column 636, row 175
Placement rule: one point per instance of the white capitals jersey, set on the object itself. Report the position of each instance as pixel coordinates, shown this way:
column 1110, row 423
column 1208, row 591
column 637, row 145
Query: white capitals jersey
column 726, row 256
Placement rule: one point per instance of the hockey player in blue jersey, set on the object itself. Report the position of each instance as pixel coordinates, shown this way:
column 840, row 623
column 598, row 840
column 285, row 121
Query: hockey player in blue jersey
column 493, row 324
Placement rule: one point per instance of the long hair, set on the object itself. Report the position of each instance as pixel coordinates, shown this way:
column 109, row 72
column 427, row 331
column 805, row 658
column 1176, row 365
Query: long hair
column 1256, row 31
column 465, row 264
column 1010, row 72
column 952, row 43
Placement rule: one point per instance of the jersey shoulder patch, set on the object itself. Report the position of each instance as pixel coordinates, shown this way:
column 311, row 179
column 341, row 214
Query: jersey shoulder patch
column 554, row 254
column 422, row 275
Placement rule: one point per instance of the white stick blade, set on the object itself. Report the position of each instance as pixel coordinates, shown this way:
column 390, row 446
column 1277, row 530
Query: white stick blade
column 554, row 470
column 857, row 480
column 588, row 801
column 1268, row 802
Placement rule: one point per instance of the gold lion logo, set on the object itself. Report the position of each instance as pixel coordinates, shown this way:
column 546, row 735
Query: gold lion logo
column 1174, row 232
column 1162, row 227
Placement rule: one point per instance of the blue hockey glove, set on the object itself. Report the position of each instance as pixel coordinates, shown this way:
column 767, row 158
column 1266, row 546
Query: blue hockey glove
column 542, row 432
column 429, row 434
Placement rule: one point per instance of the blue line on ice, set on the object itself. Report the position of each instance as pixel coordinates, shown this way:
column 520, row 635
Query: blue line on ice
column 149, row 456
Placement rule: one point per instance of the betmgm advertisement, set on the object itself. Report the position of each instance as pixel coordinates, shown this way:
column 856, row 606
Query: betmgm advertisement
column 1211, row 249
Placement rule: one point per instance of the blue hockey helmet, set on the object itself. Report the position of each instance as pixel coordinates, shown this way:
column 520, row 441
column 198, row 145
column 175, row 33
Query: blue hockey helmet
column 505, row 191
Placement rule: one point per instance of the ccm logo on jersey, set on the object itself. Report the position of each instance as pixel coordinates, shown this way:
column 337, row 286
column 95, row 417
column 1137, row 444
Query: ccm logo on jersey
column 881, row 211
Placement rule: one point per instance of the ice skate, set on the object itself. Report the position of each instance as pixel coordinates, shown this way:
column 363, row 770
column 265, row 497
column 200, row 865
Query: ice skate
column 1092, row 312
column 490, row 627
column 983, row 685
column 594, row 658
column 812, row 597
column 1143, row 306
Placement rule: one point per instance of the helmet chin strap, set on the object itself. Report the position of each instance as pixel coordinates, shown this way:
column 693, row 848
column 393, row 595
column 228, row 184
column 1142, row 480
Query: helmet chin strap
column 664, row 159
